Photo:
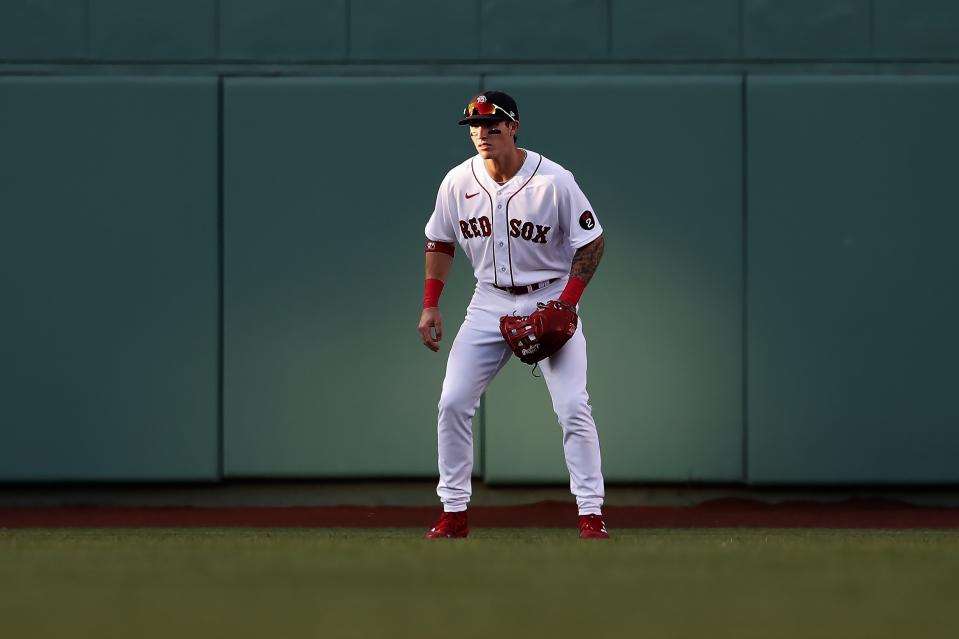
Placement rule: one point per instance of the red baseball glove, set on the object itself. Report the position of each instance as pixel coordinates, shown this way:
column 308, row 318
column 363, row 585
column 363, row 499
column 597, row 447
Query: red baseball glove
column 537, row 336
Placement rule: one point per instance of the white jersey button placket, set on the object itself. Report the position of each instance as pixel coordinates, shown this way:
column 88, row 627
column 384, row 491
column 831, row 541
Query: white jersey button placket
column 500, row 230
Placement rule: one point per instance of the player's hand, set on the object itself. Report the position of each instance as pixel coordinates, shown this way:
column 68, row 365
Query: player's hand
column 431, row 328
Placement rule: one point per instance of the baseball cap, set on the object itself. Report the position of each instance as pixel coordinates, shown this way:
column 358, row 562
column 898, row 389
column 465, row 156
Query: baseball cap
column 490, row 106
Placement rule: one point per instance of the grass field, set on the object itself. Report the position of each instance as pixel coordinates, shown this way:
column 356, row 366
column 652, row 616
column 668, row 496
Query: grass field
column 712, row 583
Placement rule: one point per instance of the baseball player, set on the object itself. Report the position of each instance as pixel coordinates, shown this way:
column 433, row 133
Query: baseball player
column 532, row 238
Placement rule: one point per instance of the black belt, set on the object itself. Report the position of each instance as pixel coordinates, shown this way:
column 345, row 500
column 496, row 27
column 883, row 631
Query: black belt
column 529, row 288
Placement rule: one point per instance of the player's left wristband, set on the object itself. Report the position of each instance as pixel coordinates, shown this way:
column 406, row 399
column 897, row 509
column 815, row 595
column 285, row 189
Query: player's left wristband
column 432, row 289
column 573, row 291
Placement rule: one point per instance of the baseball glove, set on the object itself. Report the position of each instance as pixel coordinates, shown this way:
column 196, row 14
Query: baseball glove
column 539, row 335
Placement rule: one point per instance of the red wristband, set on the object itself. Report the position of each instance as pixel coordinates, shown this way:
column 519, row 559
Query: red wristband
column 573, row 291
column 431, row 292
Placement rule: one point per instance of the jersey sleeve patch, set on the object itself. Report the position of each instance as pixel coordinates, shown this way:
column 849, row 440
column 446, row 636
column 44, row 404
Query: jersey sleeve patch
column 586, row 221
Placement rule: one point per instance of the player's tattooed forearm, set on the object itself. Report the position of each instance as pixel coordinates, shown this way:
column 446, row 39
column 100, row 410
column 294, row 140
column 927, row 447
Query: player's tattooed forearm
column 587, row 258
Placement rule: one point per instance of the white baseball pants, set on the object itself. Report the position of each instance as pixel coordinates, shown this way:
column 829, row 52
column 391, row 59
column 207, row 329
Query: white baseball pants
column 477, row 354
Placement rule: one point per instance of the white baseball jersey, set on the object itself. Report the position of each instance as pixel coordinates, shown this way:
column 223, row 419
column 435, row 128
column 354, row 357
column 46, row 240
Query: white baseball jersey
column 522, row 232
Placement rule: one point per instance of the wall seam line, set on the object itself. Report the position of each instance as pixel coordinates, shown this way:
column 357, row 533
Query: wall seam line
column 838, row 67
column 220, row 280
column 348, row 36
column 87, row 52
column 744, row 186
column 742, row 29
column 216, row 29
column 609, row 29
column 478, row 8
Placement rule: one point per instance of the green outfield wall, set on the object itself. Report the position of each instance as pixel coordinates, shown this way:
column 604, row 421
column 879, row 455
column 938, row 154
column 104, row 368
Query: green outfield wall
column 211, row 223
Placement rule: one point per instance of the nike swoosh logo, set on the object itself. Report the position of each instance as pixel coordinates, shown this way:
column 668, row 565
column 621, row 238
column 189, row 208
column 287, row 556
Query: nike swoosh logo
column 469, row 195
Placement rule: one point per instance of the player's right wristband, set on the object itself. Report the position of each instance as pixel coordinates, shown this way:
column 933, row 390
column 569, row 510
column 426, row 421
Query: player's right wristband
column 573, row 291
column 432, row 289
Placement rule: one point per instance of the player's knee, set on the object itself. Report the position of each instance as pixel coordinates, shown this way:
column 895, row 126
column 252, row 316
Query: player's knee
column 573, row 412
column 456, row 402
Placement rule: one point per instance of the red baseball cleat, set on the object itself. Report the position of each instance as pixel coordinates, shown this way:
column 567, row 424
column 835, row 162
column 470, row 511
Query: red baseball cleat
column 449, row 526
column 592, row 527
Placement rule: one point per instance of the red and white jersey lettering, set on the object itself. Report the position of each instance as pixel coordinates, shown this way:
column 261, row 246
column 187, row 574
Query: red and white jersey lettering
column 522, row 232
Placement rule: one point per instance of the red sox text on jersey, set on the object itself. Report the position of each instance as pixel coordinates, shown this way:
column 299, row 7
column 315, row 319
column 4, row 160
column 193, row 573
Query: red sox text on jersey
column 522, row 232
column 481, row 227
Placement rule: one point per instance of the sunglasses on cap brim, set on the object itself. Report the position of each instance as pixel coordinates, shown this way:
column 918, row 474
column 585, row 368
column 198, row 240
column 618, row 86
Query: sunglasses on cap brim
column 485, row 108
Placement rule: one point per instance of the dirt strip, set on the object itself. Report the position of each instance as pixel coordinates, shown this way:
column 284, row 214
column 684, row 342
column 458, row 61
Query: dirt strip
column 722, row 513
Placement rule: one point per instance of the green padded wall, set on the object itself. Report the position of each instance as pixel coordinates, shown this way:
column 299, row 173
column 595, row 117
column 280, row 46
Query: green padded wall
column 852, row 279
column 327, row 193
column 660, row 160
column 543, row 30
column 485, row 33
column 290, row 30
column 907, row 29
column 42, row 29
column 806, row 29
column 108, row 267
column 150, row 30
column 680, row 29
column 385, row 30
